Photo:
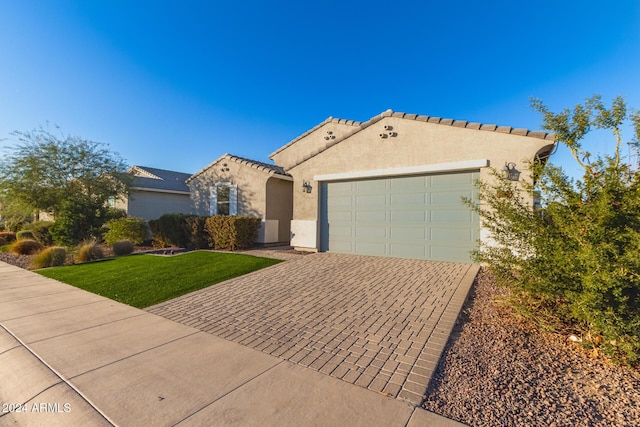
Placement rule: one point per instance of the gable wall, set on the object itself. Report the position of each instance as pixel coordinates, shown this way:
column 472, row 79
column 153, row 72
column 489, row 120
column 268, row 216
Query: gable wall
column 417, row 143
column 311, row 143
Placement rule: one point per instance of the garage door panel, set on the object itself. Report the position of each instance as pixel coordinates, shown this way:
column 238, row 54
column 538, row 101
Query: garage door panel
column 371, row 216
column 375, row 200
column 408, row 199
column 450, row 215
column 373, row 232
column 374, row 186
column 371, row 248
column 410, row 217
column 408, row 184
column 404, row 250
column 443, row 234
column 408, row 234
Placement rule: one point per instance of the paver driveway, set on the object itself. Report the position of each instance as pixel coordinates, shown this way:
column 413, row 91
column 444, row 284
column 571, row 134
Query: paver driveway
column 380, row 323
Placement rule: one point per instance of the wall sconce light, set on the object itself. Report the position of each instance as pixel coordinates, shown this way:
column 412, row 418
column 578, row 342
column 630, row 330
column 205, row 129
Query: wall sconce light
column 510, row 172
column 306, row 187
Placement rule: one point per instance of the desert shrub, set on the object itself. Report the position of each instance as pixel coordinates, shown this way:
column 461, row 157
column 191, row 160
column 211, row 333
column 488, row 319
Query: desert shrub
column 26, row 247
column 9, row 236
column 232, row 232
column 40, row 231
column 89, row 250
column 575, row 260
column 123, row 247
column 25, row 235
column 181, row 230
column 128, row 228
column 53, row 256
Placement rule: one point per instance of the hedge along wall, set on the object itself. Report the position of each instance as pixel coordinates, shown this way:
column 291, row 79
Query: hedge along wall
column 232, row 232
column 181, row 230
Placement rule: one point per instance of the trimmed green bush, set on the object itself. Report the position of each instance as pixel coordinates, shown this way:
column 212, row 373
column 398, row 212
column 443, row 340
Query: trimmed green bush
column 129, row 228
column 89, row 250
column 40, row 231
column 9, row 236
column 53, row 256
column 181, row 230
column 26, row 247
column 25, row 235
column 232, row 232
column 122, row 247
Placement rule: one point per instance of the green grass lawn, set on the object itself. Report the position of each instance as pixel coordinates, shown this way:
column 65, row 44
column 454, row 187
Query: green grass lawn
column 145, row 280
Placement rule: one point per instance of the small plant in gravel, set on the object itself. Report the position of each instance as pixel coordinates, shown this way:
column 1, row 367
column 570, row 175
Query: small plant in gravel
column 123, row 247
column 9, row 236
column 25, row 235
column 53, row 256
column 26, row 247
column 89, row 250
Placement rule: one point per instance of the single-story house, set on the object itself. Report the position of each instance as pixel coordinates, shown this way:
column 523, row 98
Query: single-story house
column 156, row 192
column 390, row 186
column 233, row 185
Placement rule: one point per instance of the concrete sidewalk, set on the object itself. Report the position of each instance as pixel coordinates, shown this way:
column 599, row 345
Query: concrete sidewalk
column 69, row 357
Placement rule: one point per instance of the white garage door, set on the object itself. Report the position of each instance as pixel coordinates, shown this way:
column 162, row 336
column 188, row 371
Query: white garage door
column 419, row 217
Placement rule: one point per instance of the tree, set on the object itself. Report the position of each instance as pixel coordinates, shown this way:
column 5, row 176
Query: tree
column 576, row 260
column 70, row 177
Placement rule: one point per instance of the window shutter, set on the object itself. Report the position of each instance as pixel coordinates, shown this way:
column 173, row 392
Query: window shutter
column 233, row 200
column 213, row 204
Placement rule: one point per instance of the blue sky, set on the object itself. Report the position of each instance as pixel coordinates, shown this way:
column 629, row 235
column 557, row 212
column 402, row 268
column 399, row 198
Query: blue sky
column 175, row 85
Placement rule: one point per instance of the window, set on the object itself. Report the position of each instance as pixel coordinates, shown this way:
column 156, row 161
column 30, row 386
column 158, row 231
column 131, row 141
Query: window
column 224, row 199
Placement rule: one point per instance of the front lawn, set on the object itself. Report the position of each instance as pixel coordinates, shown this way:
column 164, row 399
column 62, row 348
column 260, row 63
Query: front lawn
column 145, row 280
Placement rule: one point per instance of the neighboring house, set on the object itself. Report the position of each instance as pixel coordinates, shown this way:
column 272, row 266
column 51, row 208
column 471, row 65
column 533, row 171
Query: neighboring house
column 233, row 185
column 156, row 192
column 393, row 185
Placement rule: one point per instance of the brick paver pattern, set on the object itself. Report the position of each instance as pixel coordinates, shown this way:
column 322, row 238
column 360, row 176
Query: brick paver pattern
column 380, row 323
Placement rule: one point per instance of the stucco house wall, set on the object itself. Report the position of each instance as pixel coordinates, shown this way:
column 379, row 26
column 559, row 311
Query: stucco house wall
column 395, row 144
column 156, row 192
column 255, row 183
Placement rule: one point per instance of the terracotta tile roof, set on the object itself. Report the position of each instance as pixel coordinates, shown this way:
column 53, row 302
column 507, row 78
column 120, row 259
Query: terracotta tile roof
column 265, row 167
column 359, row 126
column 159, row 179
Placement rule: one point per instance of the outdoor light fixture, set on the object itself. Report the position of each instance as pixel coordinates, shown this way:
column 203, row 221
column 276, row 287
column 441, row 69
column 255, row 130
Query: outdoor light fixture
column 306, row 187
column 510, row 172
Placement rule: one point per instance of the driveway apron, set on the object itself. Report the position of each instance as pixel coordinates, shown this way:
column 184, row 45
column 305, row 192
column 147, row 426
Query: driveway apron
column 379, row 323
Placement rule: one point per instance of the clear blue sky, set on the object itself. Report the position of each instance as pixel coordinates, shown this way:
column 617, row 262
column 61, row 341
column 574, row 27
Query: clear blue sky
column 176, row 84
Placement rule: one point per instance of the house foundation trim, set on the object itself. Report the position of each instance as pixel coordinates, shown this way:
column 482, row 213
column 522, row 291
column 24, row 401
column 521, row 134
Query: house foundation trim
column 409, row 170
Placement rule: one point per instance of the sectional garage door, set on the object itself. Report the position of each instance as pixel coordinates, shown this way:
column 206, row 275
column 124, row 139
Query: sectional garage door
column 419, row 217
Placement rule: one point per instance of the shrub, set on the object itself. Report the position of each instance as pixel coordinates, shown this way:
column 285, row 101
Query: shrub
column 9, row 236
column 40, row 231
column 53, row 256
column 89, row 250
column 575, row 259
column 122, row 247
column 181, row 230
column 3, row 241
column 25, row 235
column 232, row 232
column 129, row 228
column 26, row 247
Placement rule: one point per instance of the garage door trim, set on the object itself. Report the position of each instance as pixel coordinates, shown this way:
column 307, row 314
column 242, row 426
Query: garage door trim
column 409, row 170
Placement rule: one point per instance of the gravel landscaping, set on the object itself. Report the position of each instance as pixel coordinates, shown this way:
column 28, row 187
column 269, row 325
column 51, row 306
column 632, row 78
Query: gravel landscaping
column 498, row 372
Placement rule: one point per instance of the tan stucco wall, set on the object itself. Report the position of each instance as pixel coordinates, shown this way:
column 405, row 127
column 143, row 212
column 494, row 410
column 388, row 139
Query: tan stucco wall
column 251, row 184
column 416, row 143
column 280, row 206
column 152, row 205
column 313, row 142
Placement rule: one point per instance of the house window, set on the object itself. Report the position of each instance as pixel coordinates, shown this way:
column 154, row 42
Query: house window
column 224, row 199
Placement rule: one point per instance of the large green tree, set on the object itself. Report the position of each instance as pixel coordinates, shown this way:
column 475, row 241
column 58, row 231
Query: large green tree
column 68, row 176
column 577, row 258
